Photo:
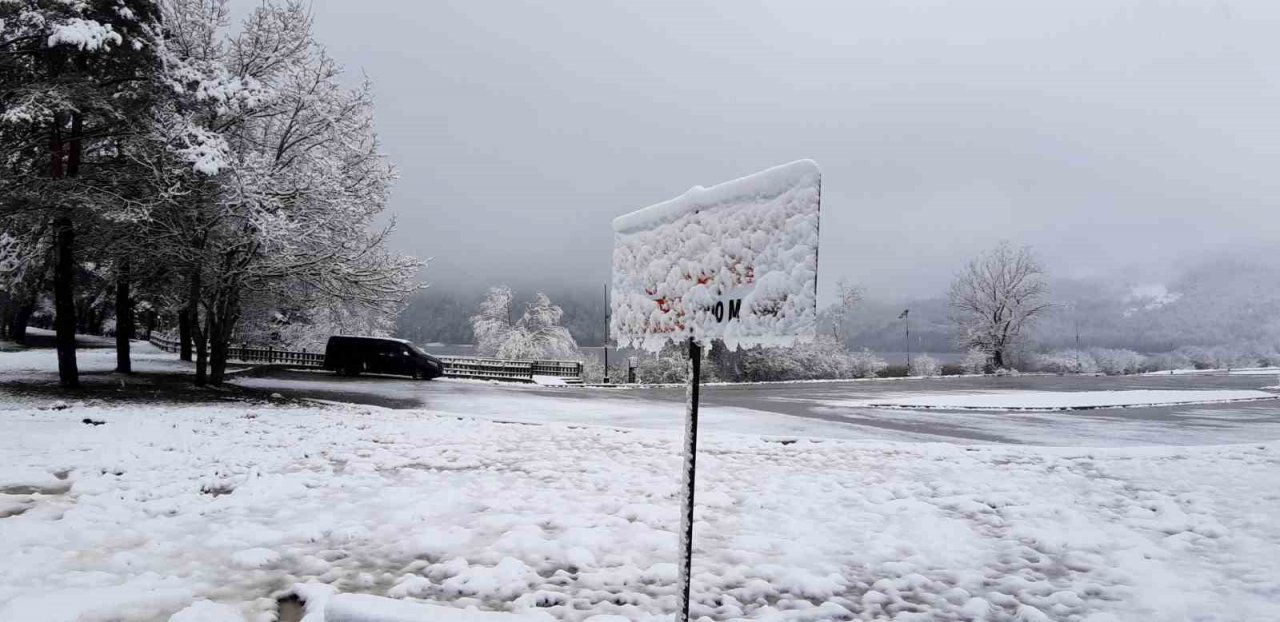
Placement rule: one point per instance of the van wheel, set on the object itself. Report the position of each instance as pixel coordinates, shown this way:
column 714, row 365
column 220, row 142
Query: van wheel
column 418, row 375
column 351, row 370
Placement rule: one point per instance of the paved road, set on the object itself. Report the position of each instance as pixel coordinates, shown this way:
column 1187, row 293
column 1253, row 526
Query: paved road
column 814, row 409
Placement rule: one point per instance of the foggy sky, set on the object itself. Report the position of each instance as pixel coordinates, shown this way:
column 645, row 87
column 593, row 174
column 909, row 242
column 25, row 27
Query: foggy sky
column 1117, row 137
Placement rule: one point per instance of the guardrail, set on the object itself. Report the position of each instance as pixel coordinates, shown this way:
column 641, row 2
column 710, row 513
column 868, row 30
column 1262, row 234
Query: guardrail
column 454, row 366
column 502, row 369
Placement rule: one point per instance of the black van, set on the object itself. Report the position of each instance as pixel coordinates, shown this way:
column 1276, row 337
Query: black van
column 380, row 355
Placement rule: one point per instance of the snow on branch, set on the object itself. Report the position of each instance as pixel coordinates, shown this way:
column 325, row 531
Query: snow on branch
column 85, row 34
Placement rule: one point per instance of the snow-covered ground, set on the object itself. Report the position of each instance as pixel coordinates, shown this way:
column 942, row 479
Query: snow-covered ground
column 161, row 506
column 562, row 504
column 1056, row 400
column 37, row 363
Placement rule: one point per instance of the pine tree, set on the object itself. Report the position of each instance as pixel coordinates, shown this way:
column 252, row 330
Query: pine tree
column 75, row 83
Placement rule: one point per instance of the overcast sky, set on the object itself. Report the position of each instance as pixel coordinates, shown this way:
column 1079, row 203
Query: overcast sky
column 1117, row 137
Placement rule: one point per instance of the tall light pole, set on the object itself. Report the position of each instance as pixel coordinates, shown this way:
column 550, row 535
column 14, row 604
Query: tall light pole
column 906, row 315
column 606, row 333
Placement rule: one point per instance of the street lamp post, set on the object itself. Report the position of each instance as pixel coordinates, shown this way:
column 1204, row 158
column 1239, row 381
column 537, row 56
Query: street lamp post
column 906, row 315
column 606, row 333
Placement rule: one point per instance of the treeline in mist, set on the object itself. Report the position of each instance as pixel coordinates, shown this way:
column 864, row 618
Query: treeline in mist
column 1213, row 303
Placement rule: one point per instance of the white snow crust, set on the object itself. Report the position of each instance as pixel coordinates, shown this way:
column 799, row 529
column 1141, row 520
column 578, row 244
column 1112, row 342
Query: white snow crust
column 753, row 239
column 167, row 506
column 370, row 608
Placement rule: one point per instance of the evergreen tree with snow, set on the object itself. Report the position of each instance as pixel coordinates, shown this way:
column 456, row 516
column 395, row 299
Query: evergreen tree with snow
column 76, row 82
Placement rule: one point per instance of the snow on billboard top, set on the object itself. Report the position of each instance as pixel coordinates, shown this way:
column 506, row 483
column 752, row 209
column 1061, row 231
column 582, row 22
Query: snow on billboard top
column 737, row 262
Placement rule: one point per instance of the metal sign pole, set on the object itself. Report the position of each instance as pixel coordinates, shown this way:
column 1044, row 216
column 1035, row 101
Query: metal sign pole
column 687, row 480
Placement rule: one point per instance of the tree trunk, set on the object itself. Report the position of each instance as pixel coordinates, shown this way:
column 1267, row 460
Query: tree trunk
column 997, row 359
column 201, row 337
column 124, row 319
column 218, row 356
column 6, row 313
column 184, row 332
column 192, row 312
column 151, row 323
column 64, row 301
column 95, row 321
column 224, row 317
column 18, row 322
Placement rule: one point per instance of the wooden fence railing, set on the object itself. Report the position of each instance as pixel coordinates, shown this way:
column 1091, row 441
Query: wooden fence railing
column 454, row 366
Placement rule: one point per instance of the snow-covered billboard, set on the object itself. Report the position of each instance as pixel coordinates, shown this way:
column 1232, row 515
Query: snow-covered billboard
column 737, row 262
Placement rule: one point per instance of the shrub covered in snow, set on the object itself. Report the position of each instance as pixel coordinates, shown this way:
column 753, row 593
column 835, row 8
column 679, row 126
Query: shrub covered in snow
column 1170, row 360
column 975, row 362
column 593, row 369
column 1216, row 357
column 1110, row 361
column 670, row 366
column 823, row 358
column 866, row 364
column 1063, row 362
column 923, row 365
column 1115, row 362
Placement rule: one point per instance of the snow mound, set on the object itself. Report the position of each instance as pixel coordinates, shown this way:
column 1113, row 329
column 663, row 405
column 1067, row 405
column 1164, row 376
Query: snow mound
column 207, row 611
column 737, row 261
column 549, row 381
column 1057, row 400
column 322, row 605
column 255, row 558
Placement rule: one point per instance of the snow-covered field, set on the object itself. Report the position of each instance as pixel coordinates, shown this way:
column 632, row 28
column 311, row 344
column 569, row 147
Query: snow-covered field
column 537, row 502
column 1056, row 400
column 37, row 362
column 161, row 506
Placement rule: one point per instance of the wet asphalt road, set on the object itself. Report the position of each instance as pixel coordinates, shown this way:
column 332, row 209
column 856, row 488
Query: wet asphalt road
column 817, row 406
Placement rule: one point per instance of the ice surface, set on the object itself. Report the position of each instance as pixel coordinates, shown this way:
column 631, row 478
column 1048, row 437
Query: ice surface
column 683, row 267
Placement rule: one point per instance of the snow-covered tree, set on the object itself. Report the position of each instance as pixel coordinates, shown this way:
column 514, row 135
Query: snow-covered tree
column 539, row 335
column 283, row 174
column 995, row 299
column 975, row 361
column 76, row 81
column 848, row 297
column 536, row 335
column 24, row 262
column 492, row 322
